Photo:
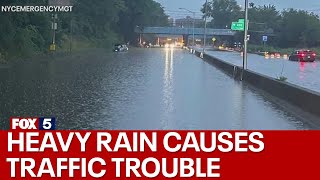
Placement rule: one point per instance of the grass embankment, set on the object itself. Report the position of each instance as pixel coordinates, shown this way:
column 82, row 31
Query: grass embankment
column 82, row 43
column 78, row 44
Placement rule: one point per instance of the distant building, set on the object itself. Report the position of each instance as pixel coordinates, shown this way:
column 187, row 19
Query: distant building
column 171, row 21
column 187, row 22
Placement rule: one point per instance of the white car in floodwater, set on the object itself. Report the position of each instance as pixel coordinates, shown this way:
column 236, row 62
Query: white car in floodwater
column 120, row 48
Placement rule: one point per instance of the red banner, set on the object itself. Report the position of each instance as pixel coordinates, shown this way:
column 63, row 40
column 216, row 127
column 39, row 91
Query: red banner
column 160, row 154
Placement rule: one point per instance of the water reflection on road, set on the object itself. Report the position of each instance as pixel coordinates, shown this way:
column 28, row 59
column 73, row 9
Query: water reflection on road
column 168, row 96
column 141, row 89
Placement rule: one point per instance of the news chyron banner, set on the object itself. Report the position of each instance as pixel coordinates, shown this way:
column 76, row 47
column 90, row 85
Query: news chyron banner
column 33, row 149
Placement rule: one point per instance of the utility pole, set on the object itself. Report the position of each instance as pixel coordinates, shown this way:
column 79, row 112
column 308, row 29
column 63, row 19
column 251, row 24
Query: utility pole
column 246, row 38
column 140, row 36
column 71, row 34
column 205, row 26
column 54, row 27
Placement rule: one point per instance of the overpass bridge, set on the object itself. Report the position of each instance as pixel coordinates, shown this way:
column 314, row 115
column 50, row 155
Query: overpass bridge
column 184, row 31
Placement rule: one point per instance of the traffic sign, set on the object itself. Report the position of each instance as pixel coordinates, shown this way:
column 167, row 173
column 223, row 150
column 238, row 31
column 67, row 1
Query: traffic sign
column 52, row 47
column 264, row 38
column 238, row 26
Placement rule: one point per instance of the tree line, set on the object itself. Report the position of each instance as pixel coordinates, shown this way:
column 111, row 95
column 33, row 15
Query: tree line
column 92, row 23
column 289, row 28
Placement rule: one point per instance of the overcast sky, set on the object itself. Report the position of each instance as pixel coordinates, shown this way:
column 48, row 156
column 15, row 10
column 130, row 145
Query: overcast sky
column 195, row 5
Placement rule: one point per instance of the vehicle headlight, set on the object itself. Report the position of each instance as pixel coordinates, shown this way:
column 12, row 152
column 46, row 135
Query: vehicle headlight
column 166, row 45
column 172, row 45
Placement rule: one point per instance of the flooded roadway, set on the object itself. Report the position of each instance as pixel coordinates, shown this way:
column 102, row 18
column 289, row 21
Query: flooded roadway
column 304, row 74
column 140, row 89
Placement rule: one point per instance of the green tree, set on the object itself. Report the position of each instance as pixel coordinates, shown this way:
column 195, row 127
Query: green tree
column 96, row 19
column 223, row 12
column 140, row 13
column 299, row 29
column 267, row 14
column 24, row 33
column 95, row 22
column 263, row 19
column 311, row 34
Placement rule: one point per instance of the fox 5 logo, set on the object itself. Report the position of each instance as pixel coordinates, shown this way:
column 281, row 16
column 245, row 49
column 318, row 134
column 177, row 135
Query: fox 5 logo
column 36, row 123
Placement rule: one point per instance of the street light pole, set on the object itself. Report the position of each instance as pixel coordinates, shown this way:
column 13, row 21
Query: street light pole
column 205, row 26
column 140, row 36
column 246, row 28
column 193, row 24
column 54, row 28
column 194, row 19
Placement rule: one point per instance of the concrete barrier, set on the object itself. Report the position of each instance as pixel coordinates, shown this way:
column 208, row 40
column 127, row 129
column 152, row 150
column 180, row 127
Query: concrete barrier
column 300, row 97
column 228, row 68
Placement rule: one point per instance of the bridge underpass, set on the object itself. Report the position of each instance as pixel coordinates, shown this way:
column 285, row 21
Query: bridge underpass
column 186, row 33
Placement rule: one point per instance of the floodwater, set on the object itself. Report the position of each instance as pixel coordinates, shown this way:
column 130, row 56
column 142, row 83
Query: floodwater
column 304, row 74
column 140, row 89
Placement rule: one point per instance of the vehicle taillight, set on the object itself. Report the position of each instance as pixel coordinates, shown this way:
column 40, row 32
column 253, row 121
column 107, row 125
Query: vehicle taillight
column 314, row 54
column 302, row 55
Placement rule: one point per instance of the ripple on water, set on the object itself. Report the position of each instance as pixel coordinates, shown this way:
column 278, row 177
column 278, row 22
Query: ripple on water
column 141, row 89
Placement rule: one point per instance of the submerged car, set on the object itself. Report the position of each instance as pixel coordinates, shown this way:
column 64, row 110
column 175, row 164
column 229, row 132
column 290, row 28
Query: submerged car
column 120, row 48
column 303, row 55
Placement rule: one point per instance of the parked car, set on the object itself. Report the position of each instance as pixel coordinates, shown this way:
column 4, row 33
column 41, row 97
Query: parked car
column 303, row 55
column 120, row 48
